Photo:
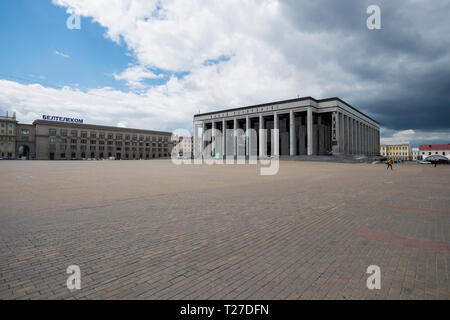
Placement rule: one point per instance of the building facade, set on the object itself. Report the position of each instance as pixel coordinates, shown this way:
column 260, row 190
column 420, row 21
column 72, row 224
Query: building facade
column 426, row 150
column 64, row 141
column 8, row 127
column 182, row 146
column 306, row 126
column 400, row 151
column 415, row 154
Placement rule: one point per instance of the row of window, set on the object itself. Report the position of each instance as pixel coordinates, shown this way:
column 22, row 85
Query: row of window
column 102, row 148
column 110, row 143
column 429, row 153
column 3, row 125
column 2, row 131
column 6, row 138
column 62, row 155
column 93, row 135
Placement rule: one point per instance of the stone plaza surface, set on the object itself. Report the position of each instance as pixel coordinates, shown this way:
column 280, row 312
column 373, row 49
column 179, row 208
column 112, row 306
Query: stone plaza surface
column 153, row 230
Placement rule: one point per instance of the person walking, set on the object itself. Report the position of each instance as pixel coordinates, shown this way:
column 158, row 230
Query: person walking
column 389, row 164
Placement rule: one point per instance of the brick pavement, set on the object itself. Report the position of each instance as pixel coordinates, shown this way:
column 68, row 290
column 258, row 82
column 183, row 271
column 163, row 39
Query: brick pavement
column 152, row 230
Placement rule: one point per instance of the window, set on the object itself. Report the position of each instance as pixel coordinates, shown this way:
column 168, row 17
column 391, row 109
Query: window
column 74, row 134
column 110, row 136
column 74, row 141
column 63, row 140
column 24, row 131
column 101, row 142
column 83, row 148
column 62, row 147
column 83, row 134
column 52, row 139
column 52, row 132
column 73, row 148
column 63, row 155
column 92, row 148
column 63, row 132
column 93, row 142
column 83, row 141
column 24, row 138
column 10, row 131
column 93, row 135
column 52, row 146
column 10, row 125
column 101, row 136
column 119, row 136
column 429, row 153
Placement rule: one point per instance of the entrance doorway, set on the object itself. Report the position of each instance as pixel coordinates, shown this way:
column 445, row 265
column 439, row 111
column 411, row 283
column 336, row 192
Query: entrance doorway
column 52, row 156
column 24, row 151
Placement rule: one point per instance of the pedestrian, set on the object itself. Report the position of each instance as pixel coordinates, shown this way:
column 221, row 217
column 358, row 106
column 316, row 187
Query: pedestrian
column 389, row 164
column 435, row 163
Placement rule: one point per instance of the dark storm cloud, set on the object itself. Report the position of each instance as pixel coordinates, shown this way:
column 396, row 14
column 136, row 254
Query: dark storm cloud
column 401, row 74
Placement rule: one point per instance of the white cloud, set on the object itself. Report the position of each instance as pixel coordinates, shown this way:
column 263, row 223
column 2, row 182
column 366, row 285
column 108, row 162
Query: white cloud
column 268, row 58
column 413, row 136
column 134, row 76
column 62, row 54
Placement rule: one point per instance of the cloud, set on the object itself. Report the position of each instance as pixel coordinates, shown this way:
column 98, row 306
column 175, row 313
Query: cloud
column 264, row 50
column 62, row 54
column 134, row 76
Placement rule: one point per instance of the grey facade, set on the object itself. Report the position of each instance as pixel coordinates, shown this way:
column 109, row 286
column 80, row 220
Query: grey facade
column 306, row 126
column 53, row 140
column 26, row 141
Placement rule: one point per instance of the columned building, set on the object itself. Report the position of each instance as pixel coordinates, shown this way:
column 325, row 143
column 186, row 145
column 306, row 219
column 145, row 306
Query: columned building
column 306, row 126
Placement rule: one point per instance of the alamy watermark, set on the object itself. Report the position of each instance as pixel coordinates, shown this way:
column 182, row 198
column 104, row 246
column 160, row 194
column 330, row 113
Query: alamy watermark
column 373, row 22
column 74, row 280
column 374, row 280
column 74, row 20
column 235, row 148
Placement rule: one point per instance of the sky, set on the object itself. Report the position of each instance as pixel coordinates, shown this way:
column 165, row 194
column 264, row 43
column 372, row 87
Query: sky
column 153, row 64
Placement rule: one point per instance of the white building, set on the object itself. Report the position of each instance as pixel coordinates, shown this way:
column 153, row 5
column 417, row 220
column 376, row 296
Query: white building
column 426, row 150
column 415, row 154
column 182, row 145
column 302, row 126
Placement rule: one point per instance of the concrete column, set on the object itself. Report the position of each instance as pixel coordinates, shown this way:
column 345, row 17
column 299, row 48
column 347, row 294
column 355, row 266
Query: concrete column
column 350, row 135
column 276, row 136
column 261, row 136
column 366, row 138
column 235, row 146
column 224, row 134
column 309, row 121
column 247, row 136
column 335, row 142
column 341, row 133
column 203, row 141
column 195, row 140
column 213, row 149
column 292, row 135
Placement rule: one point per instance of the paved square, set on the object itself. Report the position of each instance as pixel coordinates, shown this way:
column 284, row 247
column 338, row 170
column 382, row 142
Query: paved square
column 153, row 230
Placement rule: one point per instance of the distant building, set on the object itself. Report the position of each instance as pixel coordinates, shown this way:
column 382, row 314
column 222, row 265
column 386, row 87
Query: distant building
column 8, row 136
column 71, row 140
column 182, row 146
column 400, row 151
column 415, row 154
column 426, row 150
column 302, row 126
